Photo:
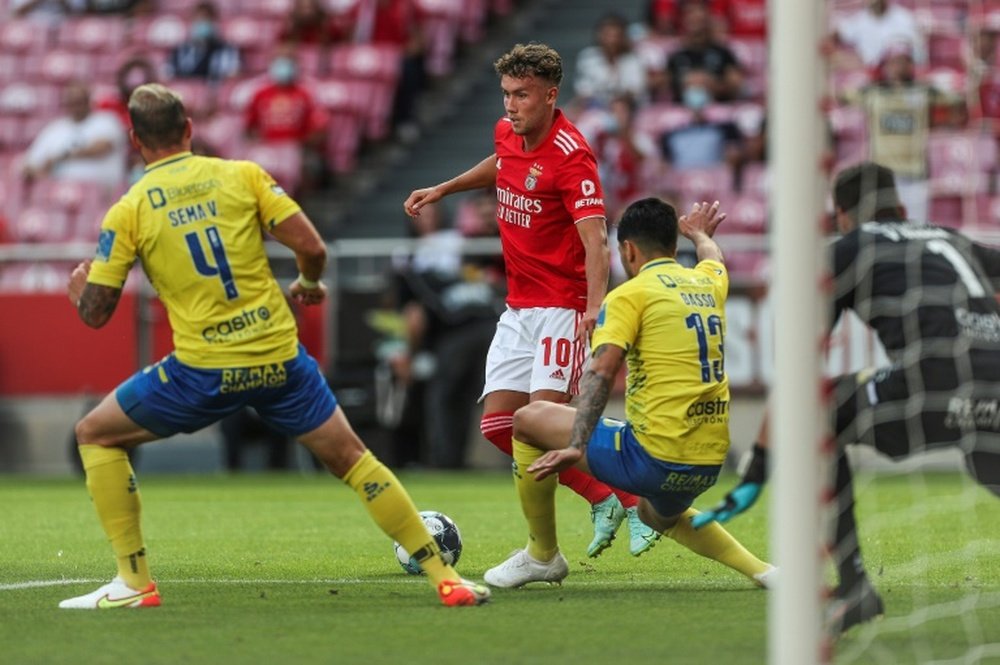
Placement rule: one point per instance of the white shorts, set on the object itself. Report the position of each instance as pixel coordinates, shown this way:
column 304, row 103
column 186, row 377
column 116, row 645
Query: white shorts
column 536, row 349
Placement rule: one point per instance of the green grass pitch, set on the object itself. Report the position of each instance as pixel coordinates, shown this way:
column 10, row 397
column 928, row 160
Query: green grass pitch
column 289, row 569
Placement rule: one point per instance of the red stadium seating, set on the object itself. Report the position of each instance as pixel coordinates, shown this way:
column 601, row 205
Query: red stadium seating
column 960, row 162
column 160, row 33
column 28, row 99
column 377, row 66
column 59, row 67
column 107, row 34
column 439, row 20
column 747, row 213
column 224, row 133
column 656, row 119
column 22, row 36
column 282, row 160
column 42, row 224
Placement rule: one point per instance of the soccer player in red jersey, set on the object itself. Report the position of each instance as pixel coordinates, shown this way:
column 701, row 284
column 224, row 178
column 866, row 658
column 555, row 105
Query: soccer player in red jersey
column 550, row 210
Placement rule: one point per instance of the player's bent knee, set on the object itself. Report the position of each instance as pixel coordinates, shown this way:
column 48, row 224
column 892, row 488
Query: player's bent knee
column 653, row 519
column 526, row 420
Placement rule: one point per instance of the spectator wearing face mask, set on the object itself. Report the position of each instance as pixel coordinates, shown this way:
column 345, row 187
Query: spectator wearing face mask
column 702, row 51
column 284, row 110
column 701, row 143
column 205, row 55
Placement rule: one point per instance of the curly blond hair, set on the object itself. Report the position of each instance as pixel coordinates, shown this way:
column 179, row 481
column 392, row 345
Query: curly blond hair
column 533, row 59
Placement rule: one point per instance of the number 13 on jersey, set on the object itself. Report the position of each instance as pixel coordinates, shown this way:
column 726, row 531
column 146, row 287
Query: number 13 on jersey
column 705, row 328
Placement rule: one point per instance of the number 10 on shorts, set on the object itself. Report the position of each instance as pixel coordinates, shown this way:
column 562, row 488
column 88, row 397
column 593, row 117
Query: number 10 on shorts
column 558, row 349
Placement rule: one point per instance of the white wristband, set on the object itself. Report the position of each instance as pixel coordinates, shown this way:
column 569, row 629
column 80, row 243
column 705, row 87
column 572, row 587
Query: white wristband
column 306, row 283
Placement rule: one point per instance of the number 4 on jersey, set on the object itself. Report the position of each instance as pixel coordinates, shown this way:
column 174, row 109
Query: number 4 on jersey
column 221, row 267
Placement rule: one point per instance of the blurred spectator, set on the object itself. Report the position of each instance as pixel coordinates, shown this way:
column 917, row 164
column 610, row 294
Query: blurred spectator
column 50, row 11
column 450, row 308
column 610, row 67
column 983, row 73
column 701, row 143
column 244, row 428
column 129, row 7
column 663, row 17
column 285, row 110
column 394, row 22
column 205, row 55
column 741, row 18
column 700, row 50
column 622, row 153
column 309, row 23
column 132, row 73
column 871, row 30
column 83, row 145
column 900, row 111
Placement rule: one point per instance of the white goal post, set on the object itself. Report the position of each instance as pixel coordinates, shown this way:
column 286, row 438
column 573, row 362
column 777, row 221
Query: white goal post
column 795, row 131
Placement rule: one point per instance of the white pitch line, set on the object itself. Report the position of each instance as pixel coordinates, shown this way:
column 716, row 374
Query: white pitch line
column 33, row 584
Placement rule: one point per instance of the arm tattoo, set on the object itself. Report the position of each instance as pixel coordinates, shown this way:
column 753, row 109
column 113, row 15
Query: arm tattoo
column 594, row 393
column 97, row 304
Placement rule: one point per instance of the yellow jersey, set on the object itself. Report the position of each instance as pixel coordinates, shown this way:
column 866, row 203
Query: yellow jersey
column 196, row 224
column 671, row 322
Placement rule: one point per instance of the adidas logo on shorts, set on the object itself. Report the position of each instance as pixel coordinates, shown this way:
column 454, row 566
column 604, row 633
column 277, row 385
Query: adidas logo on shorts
column 558, row 374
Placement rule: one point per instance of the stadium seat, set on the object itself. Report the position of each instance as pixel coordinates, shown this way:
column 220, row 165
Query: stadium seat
column 472, row 21
column 655, row 50
column 987, row 213
column 59, row 67
column 700, row 184
column 42, row 224
column 235, row 94
column 655, row 119
column 107, row 34
column 282, row 160
column 439, row 20
column 377, row 67
column 162, row 32
column 848, row 122
column 266, row 9
column 755, row 179
column 248, row 33
column 746, row 213
column 224, row 133
column 960, row 162
column 946, row 49
column 28, row 99
column 947, row 210
column 23, row 36
column 198, row 96
column 35, row 277
column 11, row 67
column 343, row 101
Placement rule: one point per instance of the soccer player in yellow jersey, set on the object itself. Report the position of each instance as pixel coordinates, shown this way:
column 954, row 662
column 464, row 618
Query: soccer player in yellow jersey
column 668, row 323
column 196, row 225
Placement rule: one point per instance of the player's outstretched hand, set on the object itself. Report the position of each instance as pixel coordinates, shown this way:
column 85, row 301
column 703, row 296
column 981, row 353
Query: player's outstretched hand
column 703, row 218
column 77, row 281
column 306, row 296
column 739, row 499
column 418, row 198
column 555, row 461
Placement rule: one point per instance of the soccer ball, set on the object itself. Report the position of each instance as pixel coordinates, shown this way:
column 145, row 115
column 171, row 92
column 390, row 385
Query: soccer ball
column 445, row 533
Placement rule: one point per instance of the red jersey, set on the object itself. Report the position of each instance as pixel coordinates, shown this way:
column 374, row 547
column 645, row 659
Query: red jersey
column 541, row 195
column 743, row 18
column 284, row 113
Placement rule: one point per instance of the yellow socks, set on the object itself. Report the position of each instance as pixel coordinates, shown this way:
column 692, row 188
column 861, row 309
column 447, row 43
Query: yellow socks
column 392, row 509
column 112, row 487
column 714, row 542
column 537, row 502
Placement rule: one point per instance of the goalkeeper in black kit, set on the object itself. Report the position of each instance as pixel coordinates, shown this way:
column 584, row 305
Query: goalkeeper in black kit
column 929, row 293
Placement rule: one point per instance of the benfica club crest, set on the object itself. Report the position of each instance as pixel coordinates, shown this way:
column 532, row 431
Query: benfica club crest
column 532, row 180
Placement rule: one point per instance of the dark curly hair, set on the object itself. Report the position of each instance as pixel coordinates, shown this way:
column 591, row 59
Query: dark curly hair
column 533, row 59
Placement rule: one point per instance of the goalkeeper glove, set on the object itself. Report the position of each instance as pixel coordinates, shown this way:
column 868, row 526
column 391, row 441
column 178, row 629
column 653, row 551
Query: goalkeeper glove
column 741, row 497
